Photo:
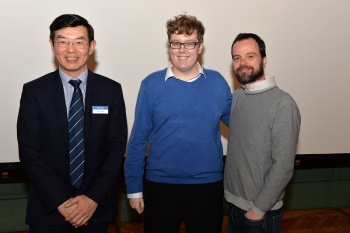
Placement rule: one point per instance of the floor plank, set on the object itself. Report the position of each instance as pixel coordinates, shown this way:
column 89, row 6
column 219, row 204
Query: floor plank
column 328, row 220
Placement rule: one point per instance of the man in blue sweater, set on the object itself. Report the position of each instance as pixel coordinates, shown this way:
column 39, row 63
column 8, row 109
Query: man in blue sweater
column 263, row 135
column 177, row 121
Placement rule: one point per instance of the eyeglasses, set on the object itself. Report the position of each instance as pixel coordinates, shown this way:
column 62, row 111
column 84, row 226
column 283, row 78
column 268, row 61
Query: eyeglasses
column 65, row 44
column 187, row 45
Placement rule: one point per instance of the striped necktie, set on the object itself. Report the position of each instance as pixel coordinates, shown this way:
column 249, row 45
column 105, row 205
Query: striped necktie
column 76, row 135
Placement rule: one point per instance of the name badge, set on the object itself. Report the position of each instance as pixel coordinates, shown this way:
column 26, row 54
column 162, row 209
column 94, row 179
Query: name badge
column 99, row 109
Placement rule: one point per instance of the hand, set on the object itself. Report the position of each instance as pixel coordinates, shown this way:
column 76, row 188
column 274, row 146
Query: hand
column 85, row 208
column 252, row 215
column 137, row 204
column 66, row 211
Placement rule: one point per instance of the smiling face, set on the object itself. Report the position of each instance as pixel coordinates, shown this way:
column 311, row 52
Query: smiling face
column 248, row 64
column 184, row 61
column 72, row 59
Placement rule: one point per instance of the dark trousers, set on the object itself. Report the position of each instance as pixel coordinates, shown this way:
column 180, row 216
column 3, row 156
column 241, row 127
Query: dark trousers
column 99, row 228
column 199, row 206
column 238, row 223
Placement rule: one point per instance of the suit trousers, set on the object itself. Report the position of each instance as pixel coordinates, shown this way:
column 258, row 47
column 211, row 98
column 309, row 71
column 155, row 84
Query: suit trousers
column 199, row 206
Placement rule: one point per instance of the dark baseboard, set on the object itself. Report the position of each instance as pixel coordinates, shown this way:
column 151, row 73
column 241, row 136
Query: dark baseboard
column 314, row 161
column 13, row 172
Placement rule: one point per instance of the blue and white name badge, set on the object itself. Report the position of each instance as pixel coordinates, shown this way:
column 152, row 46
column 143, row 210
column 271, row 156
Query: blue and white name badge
column 99, row 109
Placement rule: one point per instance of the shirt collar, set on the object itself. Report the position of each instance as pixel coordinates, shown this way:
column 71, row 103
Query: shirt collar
column 66, row 78
column 258, row 86
column 170, row 74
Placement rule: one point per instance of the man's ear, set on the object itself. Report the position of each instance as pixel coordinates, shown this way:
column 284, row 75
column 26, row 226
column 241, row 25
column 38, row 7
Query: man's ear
column 201, row 45
column 264, row 61
column 92, row 47
column 52, row 45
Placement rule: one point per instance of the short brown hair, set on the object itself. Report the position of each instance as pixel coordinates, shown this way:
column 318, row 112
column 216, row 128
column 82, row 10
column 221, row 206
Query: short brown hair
column 185, row 24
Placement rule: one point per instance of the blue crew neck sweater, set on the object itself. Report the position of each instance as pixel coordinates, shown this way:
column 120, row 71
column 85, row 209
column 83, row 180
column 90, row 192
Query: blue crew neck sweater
column 181, row 122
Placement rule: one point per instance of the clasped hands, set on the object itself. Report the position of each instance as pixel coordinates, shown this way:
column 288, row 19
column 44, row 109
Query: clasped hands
column 78, row 210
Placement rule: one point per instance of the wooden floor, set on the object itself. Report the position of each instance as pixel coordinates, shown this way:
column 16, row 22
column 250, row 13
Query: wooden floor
column 328, row 220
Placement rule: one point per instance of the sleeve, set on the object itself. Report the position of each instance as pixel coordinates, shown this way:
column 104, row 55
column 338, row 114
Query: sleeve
column 45, row 182
column 225, row 118
column 136, row 153
column 284, row 137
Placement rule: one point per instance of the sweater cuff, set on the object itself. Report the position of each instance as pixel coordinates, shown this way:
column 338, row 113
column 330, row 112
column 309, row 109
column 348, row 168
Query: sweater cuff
column 257, row 210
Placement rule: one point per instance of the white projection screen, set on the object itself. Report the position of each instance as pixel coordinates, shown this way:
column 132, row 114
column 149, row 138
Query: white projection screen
column 308, row 51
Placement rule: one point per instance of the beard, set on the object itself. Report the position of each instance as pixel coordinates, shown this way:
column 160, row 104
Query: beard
column 249, row 77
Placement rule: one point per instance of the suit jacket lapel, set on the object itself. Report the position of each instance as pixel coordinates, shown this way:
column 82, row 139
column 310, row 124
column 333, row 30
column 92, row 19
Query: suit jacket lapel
column 89, row 97
column 59, row 103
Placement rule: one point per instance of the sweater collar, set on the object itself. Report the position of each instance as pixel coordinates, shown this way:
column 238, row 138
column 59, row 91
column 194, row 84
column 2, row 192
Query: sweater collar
column 170, row 74
column 268, row 83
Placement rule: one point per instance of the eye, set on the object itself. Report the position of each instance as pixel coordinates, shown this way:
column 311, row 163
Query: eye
column 190, row 43
column 79, row 43
column 251, row 56
column 175, row 43
column 236, row 58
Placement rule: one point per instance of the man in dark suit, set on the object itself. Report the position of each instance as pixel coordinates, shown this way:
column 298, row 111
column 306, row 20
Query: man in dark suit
column 57, row 203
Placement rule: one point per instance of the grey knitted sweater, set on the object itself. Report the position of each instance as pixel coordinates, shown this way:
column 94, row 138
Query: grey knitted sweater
column 263, row 134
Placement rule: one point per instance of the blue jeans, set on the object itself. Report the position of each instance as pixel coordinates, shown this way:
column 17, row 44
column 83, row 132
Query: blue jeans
column 238, row 223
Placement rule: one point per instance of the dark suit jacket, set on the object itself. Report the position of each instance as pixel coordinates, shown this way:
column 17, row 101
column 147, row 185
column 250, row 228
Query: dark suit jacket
column 42, row 132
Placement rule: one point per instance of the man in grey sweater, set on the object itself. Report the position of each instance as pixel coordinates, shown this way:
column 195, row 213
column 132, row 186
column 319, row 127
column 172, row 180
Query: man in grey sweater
column 264, row 130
